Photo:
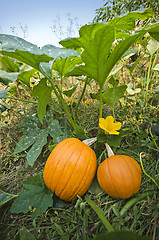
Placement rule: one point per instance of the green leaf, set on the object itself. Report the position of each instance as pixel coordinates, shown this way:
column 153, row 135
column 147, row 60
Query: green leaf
column 10, row 42
column 153, row 30
column 69, row 92
column 64, row 65
column 111, row 95
column 54, row 128
column 86, row 32
column 127, row 21
column 7, row 78
column 96, row 54
column 24, row 77
column 3, row 93
column 119, row 50
column 24, row 234
column 43, row 92
column 26, row 141
column 121, row 235
column 112, row 140
column 9, row 65
column 35, row 150
column 6, row 197
column 35, row 195
column 31, row 130
column 57, row 52
column 28, row 58
column 33, row 137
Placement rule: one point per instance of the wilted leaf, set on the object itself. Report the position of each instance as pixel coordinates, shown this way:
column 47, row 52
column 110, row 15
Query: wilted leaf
column 152, row 46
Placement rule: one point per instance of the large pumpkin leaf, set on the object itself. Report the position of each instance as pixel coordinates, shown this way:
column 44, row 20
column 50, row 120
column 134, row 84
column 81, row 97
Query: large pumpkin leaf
column 126, row 21
column 86, row 32
column 35, row 195
column 43, row 92
column 57, row 52
column 33, row 137
column 32, row 55
column 54, row 128
column 96, row 54
column 29, row 58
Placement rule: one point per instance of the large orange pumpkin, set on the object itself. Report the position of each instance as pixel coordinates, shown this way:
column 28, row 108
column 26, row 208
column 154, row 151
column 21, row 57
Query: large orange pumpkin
column 119, row 176
column 70, row 169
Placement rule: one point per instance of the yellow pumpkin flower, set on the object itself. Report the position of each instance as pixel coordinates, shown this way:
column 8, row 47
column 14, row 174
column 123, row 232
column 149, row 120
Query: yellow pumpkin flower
column 86, row 101
column 109, row 126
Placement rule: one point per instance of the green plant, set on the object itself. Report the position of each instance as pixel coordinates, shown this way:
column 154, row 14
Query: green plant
column 96, row 61
column 70, row 169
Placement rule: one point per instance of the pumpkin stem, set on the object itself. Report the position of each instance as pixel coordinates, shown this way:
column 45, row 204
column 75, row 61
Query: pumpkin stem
column 90, row 141
column 109, row 150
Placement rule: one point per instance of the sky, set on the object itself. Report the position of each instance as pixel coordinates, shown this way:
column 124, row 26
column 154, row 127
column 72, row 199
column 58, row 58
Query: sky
column 44, row 22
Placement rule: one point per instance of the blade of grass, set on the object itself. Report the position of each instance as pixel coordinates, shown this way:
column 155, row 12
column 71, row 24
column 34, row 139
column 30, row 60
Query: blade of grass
column 100, row 214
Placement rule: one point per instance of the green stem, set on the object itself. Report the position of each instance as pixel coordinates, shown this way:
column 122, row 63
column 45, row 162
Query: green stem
column 100, row 106
column 153, row 139
column 100, row 214
column 22, row 100
column 80, row 99
column 148, row 80
column 113, row 114
column 146, row 172
column 132, row 201
column 65, row 108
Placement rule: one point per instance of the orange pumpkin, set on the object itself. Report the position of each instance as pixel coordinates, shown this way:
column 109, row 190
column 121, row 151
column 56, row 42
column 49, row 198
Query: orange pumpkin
column 119, row 176
column 70, row 169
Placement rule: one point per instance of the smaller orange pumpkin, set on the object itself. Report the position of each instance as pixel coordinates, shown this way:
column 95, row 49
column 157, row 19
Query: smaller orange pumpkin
column 119, row 176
